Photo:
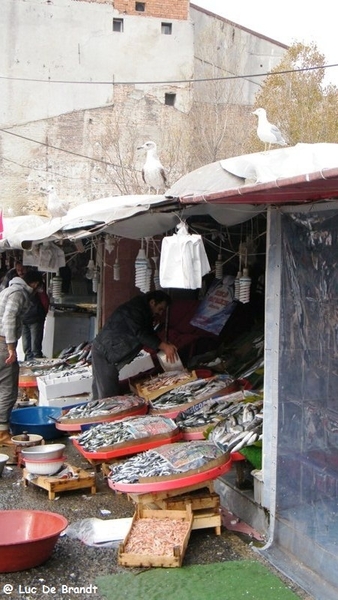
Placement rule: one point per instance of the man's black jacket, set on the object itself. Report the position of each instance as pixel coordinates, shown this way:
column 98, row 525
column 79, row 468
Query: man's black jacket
column 128, row 329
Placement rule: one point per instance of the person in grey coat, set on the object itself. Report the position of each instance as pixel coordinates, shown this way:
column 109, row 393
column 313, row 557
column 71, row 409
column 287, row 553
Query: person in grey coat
column 14, row 302
column 126, row 332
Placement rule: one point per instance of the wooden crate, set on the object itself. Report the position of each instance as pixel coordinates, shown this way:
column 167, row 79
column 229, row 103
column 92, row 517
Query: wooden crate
column 175, row 559
column 201, row 497
column 56, row 486
column 205, row 507
column 199, row 500
column 142, row 388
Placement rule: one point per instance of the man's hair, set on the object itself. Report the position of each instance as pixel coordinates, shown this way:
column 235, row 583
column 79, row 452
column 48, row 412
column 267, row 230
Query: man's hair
column 33, row 276
column 159, row 296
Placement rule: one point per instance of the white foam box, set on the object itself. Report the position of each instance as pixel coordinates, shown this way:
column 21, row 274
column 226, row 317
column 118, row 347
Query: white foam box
column 51, row 386
column 64, row 401
column 141, row 363
column 258, row 485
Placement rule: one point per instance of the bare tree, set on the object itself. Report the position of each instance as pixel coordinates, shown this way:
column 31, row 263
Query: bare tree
column 298, row 101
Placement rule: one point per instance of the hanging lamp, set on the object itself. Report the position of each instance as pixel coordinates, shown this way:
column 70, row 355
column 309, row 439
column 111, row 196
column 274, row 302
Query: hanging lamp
column 245, row 283
column 141, row 266
column 116, row 267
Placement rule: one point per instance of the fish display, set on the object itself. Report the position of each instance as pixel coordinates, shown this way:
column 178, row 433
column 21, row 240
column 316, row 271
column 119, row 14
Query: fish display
column 190, row 392
column 214, row 409
column 132, row 428
column 240, row 429
column 155, row 386
column 97, row 408
column 170, row 459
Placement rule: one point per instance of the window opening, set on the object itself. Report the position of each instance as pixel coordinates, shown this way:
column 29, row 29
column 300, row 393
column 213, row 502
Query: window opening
column 169, row 99
column 118, row 25
column 166, row 28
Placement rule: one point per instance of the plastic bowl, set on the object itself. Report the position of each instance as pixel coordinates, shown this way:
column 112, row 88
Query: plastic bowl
column 3, row 459
column 28, row 538
column 33, row 440
column 44, row 467
column 36, row 419
column 44, row 452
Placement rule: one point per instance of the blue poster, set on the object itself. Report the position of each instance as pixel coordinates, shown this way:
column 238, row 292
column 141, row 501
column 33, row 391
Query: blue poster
column 217, row 306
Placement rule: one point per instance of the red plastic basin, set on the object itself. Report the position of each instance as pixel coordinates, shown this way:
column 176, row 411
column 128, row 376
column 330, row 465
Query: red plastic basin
column 28, row 538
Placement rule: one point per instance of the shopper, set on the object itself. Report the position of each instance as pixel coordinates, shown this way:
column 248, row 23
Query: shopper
column 14, row 302
column 128, row 329
column 18, row 270
column 33, row 324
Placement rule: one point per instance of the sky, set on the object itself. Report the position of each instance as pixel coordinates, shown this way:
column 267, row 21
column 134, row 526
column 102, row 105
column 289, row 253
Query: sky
column 286, row 21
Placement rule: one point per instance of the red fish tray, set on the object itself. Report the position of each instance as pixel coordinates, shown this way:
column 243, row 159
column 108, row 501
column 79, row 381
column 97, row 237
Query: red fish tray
column 130, row 447
column 76, row 424
column 176, row 482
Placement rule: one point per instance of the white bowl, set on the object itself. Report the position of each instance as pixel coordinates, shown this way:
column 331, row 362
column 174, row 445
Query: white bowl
column 34, row 440
column 3, row 459
column 49, row 451
column 48, row 467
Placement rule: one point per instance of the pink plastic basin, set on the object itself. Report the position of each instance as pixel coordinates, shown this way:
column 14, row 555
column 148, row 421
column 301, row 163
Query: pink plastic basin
column 28, row 538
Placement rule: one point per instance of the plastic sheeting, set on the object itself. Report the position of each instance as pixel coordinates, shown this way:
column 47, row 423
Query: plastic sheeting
column 305, row 438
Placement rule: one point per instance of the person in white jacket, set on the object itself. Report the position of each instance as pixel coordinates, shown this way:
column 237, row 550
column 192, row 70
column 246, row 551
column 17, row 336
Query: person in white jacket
column 14, row 302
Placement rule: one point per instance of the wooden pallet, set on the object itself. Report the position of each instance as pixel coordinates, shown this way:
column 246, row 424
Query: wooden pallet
column 11, row 452
column 55, row 486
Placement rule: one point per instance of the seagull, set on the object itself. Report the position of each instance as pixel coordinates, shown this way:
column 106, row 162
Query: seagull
column 56, row 207
column 153, row 173
column 268, row 133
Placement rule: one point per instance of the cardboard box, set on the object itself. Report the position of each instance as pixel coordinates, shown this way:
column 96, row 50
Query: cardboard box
column 141, row 363
column 53, row 386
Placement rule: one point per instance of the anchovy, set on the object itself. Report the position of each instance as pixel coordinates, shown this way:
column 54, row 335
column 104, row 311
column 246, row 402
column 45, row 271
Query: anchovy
column 107, row 406
column 153, row 464
column 106, row 435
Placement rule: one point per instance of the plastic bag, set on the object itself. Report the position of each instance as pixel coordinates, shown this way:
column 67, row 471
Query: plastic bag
column 99, row 532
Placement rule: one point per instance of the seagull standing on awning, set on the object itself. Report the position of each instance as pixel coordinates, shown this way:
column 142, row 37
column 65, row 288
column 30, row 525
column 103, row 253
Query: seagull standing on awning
column 267, row 132
column 56, row 207
column 153, row 172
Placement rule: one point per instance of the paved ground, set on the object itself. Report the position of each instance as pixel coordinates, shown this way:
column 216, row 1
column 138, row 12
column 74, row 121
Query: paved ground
column 73, row 563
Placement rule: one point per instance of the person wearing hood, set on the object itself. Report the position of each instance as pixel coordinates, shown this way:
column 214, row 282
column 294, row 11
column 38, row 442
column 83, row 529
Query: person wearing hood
column 14, row 302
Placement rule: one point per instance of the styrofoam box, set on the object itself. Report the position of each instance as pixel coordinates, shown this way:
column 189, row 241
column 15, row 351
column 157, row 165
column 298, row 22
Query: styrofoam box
column 258, row 485
column 64, row 401
column 142, row 362
column 51, row 386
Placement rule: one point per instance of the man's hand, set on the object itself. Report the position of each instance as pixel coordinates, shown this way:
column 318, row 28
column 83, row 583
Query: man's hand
column 170, row 351
column 11, row 356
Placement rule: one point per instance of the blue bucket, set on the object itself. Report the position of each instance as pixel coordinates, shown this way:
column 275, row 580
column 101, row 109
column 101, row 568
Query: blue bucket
column 37, row 419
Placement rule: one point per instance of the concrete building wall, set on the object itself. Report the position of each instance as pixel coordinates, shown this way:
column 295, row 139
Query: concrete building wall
column 225, row 49
column 64, row 56
column 78, row 97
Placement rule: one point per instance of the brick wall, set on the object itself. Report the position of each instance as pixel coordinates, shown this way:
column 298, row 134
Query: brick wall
column 167, row 9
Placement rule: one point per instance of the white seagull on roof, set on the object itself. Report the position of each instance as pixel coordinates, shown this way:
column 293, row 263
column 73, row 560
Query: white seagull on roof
column 56, row 207
column 267, row 132
column 153, row 172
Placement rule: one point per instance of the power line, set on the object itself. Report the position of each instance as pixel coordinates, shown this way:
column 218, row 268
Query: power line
column 100, row 160
column 164, row 82
column 48, row 171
